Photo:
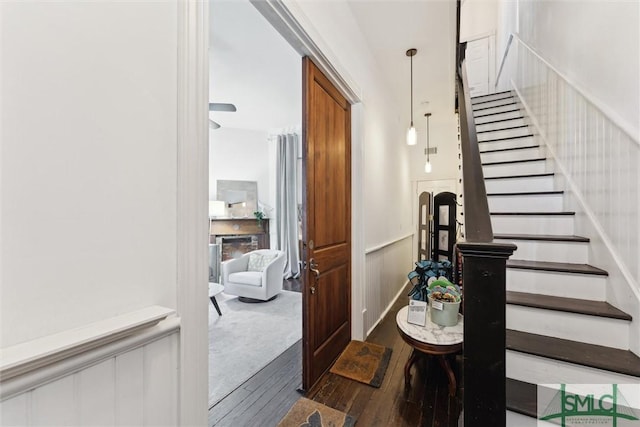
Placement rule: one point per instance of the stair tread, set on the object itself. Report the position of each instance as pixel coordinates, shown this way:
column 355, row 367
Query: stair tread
column 548, row 237
column 522, row 397
column 494, row 106
column 506, row 139
column 531, row 175
column 592, row 355
column 564, row 213
column 510, row 149
column 503, row 129
column 501, row 120
column 564, row 267
column 506, row 162
column 491, row 94
column 527, row 193
column 570, row 305
column 498, row 112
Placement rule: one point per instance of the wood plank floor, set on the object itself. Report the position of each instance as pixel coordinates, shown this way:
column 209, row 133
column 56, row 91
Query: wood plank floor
column 266, row 397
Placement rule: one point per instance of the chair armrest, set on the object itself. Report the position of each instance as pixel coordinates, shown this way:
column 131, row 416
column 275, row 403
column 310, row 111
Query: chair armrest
column 233, row 266
column 274, row 271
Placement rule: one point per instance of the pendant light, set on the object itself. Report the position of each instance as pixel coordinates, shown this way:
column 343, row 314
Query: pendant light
column 427, row 165
column 412, row 138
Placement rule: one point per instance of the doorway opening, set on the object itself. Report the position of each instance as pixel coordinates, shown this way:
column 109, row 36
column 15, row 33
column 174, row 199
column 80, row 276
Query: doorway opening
column 255, row 131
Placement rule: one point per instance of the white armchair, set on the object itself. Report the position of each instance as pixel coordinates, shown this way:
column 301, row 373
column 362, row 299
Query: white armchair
column 256, row 275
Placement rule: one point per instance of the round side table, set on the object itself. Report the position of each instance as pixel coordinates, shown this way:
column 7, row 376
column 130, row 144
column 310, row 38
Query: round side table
column 431, row 339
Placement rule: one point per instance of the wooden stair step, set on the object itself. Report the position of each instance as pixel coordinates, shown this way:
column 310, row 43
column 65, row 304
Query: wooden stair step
column 493, row 114
column 506, row 138
column 565, row 213
column 527, row 193
column 544, row 237
column 532, row 175
column 562, row 267
column 522, row 397
column 501, row 129
column 478, row 97
column 508, row 162
column 494, row 106
column 591, row 355
column 509, row 149
column 499, row 121
column 570, row 305
column 499, row 112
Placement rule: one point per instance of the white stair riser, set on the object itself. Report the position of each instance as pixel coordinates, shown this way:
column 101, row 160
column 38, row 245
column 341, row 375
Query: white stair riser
column 542, row 250
column 507, row 143
column 494, row 110
column 515, row 419
column 570, row 326
column 512, row 185
column 491, row 97
column 534, row 224
column 509, row 169
column 499, row 116
column 503, row 156
column 500, row 125
column 501, row 134
column 495, row 103
column 540, row 370
column 567, row 285
column 533, row 203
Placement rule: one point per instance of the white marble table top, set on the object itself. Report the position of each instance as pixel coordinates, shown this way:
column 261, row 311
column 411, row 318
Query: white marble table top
column 215, row 289
column 431, row 333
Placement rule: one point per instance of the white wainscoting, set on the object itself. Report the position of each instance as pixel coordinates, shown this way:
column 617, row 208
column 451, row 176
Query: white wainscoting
column 598, row 157
column 130, row 382
column 387, row 267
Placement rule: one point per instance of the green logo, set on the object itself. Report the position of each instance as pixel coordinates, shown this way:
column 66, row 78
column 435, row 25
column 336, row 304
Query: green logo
column 570, row 409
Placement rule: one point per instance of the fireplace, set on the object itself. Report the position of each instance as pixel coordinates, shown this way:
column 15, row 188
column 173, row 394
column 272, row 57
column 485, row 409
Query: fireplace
column 235, row 246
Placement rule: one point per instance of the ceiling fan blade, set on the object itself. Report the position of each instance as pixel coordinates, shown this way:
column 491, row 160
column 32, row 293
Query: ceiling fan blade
column 213, row 125
column 217, row 106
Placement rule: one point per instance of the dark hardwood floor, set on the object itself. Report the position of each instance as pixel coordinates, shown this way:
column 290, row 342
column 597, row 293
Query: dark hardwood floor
column 266, row 397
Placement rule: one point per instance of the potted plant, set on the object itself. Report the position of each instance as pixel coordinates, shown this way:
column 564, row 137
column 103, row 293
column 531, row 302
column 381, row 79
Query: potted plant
column 444, row 302
column 432, row 283
column 259, row 217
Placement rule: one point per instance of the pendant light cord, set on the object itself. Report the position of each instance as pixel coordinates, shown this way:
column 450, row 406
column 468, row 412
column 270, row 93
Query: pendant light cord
column 428, row 137
column 411, row 57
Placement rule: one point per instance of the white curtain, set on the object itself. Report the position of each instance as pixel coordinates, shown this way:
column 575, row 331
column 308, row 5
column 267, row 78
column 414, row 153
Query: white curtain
column 287, row 203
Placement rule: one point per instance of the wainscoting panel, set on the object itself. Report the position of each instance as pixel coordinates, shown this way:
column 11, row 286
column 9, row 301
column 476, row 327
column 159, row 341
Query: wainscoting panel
column 135, row 387
column 387, row 267
column 599, row 158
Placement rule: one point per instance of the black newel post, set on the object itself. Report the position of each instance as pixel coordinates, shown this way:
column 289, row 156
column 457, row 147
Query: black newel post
column 484, row 279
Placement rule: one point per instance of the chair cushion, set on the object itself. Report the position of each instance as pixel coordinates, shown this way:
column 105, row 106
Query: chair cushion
column 253, row 278
column 258, row 262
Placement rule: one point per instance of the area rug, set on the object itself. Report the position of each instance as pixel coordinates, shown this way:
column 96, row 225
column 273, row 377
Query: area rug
column 364, row 362
column 308, row 413
column 247, row 337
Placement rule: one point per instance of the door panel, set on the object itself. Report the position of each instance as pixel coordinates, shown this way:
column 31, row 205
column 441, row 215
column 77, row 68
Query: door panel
column 326, row 133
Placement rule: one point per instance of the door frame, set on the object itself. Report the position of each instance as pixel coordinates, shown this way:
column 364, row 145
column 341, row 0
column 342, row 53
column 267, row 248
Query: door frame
column 193, row 182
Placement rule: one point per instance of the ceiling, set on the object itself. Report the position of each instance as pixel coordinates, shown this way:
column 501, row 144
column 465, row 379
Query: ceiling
column 253, row 67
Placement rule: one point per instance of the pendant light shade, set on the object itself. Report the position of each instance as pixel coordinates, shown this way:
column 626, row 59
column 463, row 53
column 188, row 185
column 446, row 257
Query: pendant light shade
column 427, row 165
column 412, row 138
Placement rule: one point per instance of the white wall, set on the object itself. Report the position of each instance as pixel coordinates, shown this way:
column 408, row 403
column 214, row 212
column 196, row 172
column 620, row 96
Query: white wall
column 88, row 207
column 478, row 19
column 239, row 154
column 595, row 45
column 89, row 109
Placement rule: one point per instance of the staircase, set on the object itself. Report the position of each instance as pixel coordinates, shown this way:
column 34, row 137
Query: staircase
column 560, row 329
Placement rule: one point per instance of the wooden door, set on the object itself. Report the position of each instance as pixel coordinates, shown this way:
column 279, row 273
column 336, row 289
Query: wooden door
column 444, row 226
column 326, row 135
column 425, row 225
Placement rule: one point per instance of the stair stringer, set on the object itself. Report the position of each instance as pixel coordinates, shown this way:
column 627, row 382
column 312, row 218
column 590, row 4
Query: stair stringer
column 623, row 291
